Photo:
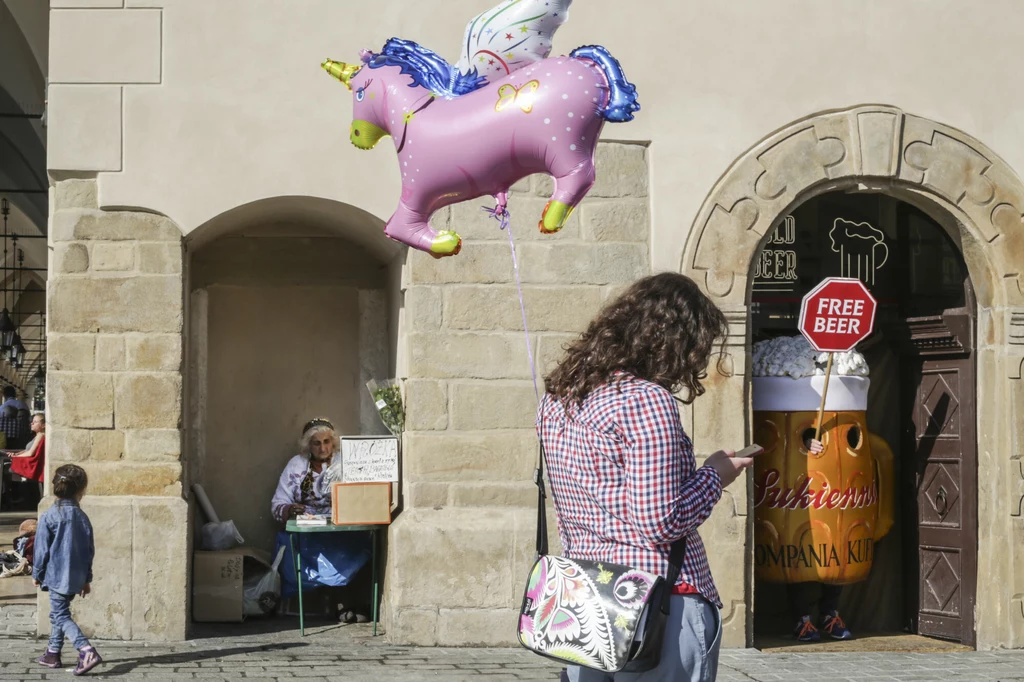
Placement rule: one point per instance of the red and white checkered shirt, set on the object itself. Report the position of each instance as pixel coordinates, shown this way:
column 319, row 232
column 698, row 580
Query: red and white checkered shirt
column 625, row 481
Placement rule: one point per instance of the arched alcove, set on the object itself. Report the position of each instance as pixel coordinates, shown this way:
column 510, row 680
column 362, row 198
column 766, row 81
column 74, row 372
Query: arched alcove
column 959, row 183
column 292, row 306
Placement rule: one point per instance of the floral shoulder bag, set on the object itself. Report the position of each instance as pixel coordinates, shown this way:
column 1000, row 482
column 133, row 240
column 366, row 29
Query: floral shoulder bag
column 594, row 614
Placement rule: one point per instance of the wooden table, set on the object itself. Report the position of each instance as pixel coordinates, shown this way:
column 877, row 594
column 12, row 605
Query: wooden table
column 294, row 529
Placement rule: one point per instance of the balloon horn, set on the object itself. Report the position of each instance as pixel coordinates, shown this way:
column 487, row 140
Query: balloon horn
column 340, row 70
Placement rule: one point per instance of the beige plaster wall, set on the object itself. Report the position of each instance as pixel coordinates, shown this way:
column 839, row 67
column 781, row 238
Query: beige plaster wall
column 222, row 96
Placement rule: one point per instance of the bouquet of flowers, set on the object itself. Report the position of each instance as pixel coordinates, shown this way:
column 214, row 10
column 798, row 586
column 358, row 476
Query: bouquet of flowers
column 388, row 399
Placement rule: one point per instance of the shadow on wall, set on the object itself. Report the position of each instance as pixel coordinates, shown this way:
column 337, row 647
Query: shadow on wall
column 289, row 315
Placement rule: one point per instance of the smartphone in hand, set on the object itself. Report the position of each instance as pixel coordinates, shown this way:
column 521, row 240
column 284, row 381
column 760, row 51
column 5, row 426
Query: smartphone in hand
column 750, row 451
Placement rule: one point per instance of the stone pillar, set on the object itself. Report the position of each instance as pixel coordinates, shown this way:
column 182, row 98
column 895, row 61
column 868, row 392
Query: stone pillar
column 718, row 420
column 460, row 551
column 114, row 390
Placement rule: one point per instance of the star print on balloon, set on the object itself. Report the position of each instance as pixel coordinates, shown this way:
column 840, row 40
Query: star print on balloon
column 465, row 135
column 528, row 24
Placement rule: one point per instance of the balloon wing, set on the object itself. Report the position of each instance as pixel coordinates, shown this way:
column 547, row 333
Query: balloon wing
column 510, row 36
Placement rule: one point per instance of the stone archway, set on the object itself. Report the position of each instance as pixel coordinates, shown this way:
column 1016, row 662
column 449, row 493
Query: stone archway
column 945, row 172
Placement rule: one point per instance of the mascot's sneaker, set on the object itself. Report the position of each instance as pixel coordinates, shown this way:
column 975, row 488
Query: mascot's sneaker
column 805, row 631
column 834, row 627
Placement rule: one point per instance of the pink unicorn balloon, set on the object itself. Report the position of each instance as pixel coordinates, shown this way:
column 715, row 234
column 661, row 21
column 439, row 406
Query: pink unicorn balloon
column 460, row 136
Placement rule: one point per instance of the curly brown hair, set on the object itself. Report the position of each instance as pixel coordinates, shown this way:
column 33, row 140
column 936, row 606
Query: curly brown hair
column 662, row 329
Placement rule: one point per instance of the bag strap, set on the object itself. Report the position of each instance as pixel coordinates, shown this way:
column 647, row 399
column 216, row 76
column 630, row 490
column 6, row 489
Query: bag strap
column 675, row 563
column 675, row 554
column 542, row 510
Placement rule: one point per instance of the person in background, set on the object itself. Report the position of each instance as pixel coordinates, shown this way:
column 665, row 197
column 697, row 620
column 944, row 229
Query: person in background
column 62, row 565
column 30, row 462
column 14, row 419
column 801, row 598
column 625, row 481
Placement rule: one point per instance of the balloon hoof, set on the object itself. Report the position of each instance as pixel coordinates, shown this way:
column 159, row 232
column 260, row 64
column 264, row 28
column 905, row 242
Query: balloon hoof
column 446, row 243
column 554, row 216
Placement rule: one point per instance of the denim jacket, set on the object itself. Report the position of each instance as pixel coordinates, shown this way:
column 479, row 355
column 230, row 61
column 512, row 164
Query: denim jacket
column 64, row 549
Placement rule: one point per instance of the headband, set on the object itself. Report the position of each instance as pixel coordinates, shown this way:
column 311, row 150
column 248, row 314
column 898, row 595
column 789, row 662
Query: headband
column 317, row 421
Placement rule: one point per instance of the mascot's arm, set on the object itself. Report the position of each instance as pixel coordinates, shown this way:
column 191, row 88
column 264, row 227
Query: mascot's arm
column 886, row 485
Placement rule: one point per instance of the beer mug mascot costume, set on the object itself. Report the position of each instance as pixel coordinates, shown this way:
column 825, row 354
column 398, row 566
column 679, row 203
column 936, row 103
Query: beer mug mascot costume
column 475, row 128
column 819, row 506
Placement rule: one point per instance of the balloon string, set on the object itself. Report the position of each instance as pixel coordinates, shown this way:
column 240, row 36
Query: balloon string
column 501, row 214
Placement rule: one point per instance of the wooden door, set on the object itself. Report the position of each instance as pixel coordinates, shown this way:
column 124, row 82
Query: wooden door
column 940, row 460
column 945, row 477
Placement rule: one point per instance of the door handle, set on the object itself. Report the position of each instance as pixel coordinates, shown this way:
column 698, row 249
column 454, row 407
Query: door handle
column 940, row 498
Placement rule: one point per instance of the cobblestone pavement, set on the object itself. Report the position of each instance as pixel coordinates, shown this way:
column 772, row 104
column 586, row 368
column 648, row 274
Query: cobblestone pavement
column 350, row 653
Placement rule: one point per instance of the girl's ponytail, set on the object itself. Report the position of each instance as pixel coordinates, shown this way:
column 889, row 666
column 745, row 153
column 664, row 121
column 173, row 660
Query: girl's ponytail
column 68, row 481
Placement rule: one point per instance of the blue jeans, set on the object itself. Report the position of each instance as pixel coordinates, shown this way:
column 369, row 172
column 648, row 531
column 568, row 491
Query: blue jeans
column 61, row 623
column 689, row 652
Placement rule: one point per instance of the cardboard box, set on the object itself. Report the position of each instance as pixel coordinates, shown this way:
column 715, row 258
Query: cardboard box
column 217, row 583
column 360, row 504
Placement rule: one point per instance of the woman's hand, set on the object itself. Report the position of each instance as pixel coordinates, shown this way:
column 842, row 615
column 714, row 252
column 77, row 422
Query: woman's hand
column 728, row 465
column 86, row 589
column 814, row 446
column 296, row 509
column 35, row 583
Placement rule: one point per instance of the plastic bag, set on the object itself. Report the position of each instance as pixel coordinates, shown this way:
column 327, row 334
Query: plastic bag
column 261, row 589
column 220, row 536
column 328, row 560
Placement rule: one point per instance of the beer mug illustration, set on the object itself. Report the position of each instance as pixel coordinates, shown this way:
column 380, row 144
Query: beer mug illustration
column 818, row 516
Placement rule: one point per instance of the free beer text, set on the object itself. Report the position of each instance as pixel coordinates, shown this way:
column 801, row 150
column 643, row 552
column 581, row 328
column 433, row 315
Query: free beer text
column 838, row 316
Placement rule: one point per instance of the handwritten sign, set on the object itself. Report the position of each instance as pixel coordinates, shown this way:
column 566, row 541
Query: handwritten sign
column 369, row 460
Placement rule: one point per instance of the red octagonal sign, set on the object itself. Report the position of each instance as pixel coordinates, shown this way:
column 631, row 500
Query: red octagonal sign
column 837, row 314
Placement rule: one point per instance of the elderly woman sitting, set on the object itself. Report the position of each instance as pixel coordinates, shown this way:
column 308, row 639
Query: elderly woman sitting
column 331, row 559
column 300, row 489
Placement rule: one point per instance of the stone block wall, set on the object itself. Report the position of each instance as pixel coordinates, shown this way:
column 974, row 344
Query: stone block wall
column 460, row 551
column 114, row 391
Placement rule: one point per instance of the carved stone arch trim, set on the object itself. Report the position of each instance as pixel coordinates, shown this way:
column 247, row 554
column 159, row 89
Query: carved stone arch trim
column 873, row 142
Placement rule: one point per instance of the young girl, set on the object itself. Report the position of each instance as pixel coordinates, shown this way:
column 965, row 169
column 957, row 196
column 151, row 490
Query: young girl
column 63, row 565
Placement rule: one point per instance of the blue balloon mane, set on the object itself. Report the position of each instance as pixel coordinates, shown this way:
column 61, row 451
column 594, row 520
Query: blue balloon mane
column 427, row 68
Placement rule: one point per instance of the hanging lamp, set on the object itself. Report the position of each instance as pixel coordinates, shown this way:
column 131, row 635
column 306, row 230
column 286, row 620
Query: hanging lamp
column 7, row 328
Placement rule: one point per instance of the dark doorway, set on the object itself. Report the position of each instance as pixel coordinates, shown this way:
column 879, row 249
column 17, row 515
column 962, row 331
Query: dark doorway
column 921, row 401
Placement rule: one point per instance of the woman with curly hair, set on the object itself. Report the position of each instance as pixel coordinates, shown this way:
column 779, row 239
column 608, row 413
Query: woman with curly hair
column 623, row 474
